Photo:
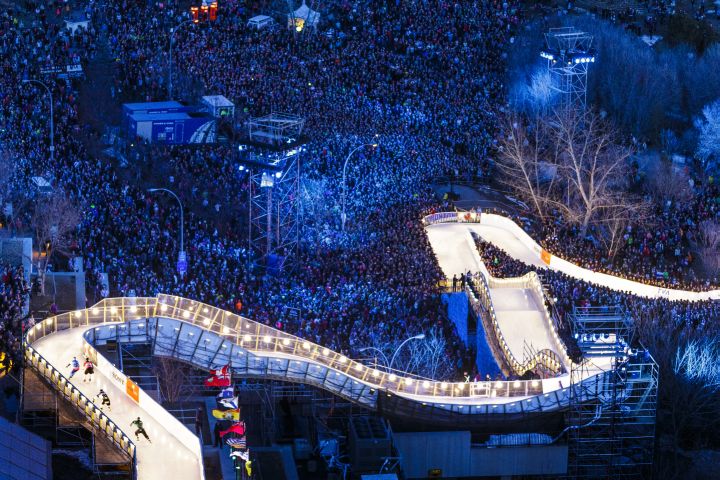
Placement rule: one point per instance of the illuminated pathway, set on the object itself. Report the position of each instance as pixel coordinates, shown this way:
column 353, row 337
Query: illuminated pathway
column 206, row 337
column 506, row 234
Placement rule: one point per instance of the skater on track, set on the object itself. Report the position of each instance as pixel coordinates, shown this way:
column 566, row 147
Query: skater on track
column 105, row 399
column 89, row 370
column 140, row 430
column 75, row 366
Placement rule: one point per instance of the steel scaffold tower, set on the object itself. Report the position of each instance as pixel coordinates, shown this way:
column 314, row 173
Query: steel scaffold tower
column 274, row 214
column 272, row 156
column 612, row 421
column 569, row 53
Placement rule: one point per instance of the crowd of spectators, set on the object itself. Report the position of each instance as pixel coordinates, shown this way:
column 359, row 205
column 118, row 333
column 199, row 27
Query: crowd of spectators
column 422, row 80
column 385, row 71
column 13, row 312
column 657, row 252
column 568, row 293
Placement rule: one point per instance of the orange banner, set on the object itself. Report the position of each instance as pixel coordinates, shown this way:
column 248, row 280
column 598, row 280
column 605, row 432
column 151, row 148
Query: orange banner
column 132, row 390
column 545, row 256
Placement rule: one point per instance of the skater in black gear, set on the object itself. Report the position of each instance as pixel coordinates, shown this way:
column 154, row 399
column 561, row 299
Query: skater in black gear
column 105, row 399
column 89, row 370
column 140, row 430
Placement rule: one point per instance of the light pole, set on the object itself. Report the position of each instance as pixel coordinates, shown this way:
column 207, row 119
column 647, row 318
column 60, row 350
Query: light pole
column 416, row 337
column 172, row 37
column 387, row 364
column 52, row 122
column 343, row 217
column 182, row 258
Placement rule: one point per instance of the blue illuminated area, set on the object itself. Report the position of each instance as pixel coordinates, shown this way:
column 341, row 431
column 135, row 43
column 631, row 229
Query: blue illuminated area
column 409, row 238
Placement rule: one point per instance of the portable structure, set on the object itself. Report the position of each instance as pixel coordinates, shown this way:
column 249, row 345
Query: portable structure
column 272, row 155
column 569, row 52
column 259, row 22
column 611, row 424
column 218, row 106
column 302, row 18
column 176, row 128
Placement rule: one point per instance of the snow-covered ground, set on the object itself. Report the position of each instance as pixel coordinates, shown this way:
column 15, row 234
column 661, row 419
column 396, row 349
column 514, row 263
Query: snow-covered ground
column 521, row 322
column 164, row 458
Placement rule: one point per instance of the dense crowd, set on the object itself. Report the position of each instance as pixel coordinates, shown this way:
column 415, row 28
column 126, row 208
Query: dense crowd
column 658, row 252
column 375, row 285
column 422, row 80
column 13, row 312
column 568, row 293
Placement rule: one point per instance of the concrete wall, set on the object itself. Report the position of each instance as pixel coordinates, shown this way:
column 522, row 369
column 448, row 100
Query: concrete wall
column 453, row 454
column 23, row 455
column 17, row 251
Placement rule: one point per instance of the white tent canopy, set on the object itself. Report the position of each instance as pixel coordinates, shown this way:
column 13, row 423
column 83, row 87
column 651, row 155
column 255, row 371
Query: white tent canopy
column 303, row 17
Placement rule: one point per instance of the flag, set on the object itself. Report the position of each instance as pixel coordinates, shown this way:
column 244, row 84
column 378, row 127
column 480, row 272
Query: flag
column 225, row 393
column 244, row 456
column 233, row 414
column 219, row 378
column 229, row 402
column 240, row 443
column 238, row 427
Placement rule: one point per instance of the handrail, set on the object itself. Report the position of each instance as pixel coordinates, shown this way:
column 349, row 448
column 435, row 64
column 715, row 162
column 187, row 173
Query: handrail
column 263, row 340
column 545, row 357
column 85, row 405
column 105, row 311
column 535, row 285
column 270, row 353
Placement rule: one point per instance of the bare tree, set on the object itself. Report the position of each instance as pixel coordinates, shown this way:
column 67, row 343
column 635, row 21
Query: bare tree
column 707, row 245
column 433, row 359
column 689, row 386
column 426, row 358
column 592, row 163
column 173, row 377
column 55, row 221
column 667, row 181
column 708, row 127
column 523, row 162
column 614, row 220
column 571, row 162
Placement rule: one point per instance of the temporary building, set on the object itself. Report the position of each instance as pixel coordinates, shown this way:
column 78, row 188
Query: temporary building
column 303, row 17
column 260, row 21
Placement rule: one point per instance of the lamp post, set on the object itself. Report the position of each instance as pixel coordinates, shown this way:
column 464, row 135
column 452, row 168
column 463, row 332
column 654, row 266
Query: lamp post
column 52, row 122
column 416, row 337
column 172, row 37
column 182, row 258
column 343, row 217
column 387, row 364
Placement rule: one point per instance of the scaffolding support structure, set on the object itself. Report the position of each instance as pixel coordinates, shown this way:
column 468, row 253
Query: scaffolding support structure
column 274, row 230
column 611, row 423
column 569, row 53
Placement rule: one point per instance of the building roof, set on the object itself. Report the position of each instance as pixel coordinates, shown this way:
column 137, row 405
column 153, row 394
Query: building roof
column 153, row 105
column 23, row 455
column 217, row 100
column 148, row 117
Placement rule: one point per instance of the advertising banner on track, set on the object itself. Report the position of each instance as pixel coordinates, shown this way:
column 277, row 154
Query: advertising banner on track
column 545, row 256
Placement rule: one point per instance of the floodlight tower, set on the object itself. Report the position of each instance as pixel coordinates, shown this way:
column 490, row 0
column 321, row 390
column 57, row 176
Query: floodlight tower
column 272, row 154
column 569, row 53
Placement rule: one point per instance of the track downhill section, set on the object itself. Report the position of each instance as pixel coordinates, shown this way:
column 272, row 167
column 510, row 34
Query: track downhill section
column 506, row 234
column 208, row 337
